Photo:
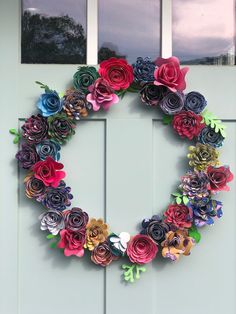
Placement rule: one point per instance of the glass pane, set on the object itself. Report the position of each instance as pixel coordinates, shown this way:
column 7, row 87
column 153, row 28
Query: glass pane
column 129, row 29
column 203, row 31
column 53, row 31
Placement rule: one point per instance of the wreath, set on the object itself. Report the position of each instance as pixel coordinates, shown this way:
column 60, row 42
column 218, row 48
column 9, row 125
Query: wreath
column 160, row 84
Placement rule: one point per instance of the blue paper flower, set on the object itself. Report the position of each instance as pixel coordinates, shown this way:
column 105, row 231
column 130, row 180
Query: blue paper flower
column 49, row 103
column 48, row 148
column 144, row 70
column 195, row 102
column 211, row 137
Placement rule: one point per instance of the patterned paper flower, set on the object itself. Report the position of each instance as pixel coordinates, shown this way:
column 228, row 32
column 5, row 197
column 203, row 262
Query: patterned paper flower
column 52, row 220
column 96, row 232
column 202, row 155
column 35, row 129
column 177, row 243
column 155, row 228
column 179, row 215
column 141, row 249
column 219, row 177
column 49, row 172
column 102, row 254
column 152, row 94
column 27, row 156
column 84, row 77
column 144, row 70
column 118, row 243
column 58, row 198
column 117, row 72
column 72, row 242
column 195, row 102
column 172, row 103
column 195, row 184
column 76, row 219
column 75, row 104
column 34, row 188
column 49, row 103
column 61, row 128
column 101, row 95
column 211, row 137
column 169, row 74
column 187, row 124
column 48, row 148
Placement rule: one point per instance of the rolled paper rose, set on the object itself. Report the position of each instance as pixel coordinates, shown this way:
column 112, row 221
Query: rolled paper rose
column 34, row 188
column 211, row 137
column 172, row 103
column 195, row 102
column 101, row 95
column 102, row 255
column 219, row 177
column 58, row 198
column 195, row 184
column 202, row 155
column 75, row 104
column 117, row 72
column 118, row 243
column 155, row 228
column 72, row 242
column 96, row 232
column 53, row 221
column 49, row 172
column 49, row 103
column 141, row 249
column 35, row 129
column 179, row 215
column 84, row 77
column 27, row 156
column 187, row 124
column 61, row 128
column 152, row 94
column 169, row 74
column 143, row 70
column 76, row 219
column 48, row 148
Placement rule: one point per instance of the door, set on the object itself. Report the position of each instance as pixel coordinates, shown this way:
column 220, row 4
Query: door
column 122, row 166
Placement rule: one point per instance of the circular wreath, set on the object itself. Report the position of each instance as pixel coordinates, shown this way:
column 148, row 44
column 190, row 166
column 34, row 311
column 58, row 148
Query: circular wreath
column 160, row 84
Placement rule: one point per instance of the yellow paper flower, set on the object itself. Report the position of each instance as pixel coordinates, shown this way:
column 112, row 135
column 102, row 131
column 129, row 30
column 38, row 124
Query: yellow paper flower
column 202, row 155
column 96, row 232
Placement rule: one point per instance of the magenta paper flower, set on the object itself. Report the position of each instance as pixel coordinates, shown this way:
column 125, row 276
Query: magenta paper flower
column 72, row 242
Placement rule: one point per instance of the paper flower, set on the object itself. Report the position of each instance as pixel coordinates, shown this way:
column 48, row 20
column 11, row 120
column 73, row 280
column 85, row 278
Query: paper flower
column 72, row 242
column 118, row 243
column 52, row 220
column 143, row 70
column 172, row 103
column 141, row 249
column 49, row 103
column 96, row 232
column 84, row 77
column 27, row 156
column 61, row 128
column 155, row 228
column 117, row 72
column 58, row 198
column 187, row 124
column 179, row 215
column 75, row 104
column 211, row 137
column 102, row 255
column 202, row 155
column 219, row 177
column 195, row 184
column 34, row 188
column 76, row 219
column 35, row 129
column 169, row 74
column 48, row 148
column 195, row 102
column 101, row 95
column 152, row 94
column 49, row 171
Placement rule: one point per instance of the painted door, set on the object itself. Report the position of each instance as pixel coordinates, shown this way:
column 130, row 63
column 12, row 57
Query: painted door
column 122, row 166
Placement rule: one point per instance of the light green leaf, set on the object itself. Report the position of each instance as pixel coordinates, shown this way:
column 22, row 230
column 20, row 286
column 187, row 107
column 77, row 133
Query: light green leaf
column 176, row 194
column 185, row 200
column 132, row 272
column 50, row 236
column 178, row 200
column 13, row 131
column 16, row 139
column 215, row 123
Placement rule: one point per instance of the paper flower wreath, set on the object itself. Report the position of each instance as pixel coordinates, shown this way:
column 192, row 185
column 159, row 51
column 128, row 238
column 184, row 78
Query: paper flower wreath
column 160, row 84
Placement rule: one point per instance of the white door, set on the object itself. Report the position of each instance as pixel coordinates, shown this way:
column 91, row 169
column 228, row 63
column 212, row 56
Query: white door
column 122, row 166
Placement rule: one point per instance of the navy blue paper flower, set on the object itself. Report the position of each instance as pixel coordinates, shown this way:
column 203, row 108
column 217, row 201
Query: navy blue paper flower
column 195, row 102
column 144, row 70
column 211, row 137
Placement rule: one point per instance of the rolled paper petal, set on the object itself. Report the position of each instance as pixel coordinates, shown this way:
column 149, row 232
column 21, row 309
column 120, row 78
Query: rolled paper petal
column 172, row 103
column 195, row 102
column 76, row 219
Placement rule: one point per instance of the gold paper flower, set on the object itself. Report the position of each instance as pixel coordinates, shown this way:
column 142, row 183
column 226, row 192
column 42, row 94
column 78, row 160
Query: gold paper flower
column 96, row 232
column 203, row 155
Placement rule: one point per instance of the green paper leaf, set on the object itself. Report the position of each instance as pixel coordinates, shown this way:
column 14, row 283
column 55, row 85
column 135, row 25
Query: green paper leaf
column 132, row 272
column 178, row 200
column 61, row 94
column 16, row 140
column 53, row 245
column 185, row 200
column 43, row 86
column 134, row 88
column 176, row 194
column 50, row 236
column 167, row 119
column 195, row 234
column 13, row 131
column 211, row 120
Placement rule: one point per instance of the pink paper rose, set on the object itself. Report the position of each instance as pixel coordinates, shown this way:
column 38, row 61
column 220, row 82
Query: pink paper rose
column 49, row 172
column 219, row 177
column 179, row 215
column 169, row 74
column 141, row 249
column 72, row 242
column 101, row 95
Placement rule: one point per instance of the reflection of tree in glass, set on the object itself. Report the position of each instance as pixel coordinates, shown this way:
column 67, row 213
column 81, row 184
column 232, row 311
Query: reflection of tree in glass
column 52, row 40
column 105, row 53
column 227, row 59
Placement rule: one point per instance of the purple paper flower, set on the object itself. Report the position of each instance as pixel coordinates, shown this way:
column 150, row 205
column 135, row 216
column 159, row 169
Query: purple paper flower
column 155, row 228
column 76, row 219
column 35, row 129
column 172, row 103
column 27, row 156
column 195, row 184
column 195, row 102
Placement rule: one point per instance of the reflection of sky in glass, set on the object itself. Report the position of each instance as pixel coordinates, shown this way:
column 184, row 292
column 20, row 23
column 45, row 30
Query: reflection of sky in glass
column 203, row 28
column 130, row 27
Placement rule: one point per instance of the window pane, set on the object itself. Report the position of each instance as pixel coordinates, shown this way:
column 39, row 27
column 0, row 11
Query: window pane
column 53, row 31
column 129, row 29
column 203, row 31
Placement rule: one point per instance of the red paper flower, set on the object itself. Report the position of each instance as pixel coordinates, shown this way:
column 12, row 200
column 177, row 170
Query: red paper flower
column 187, row 124
column 117, row 72
column 72, row 242
column 179, row 215
column 219, row 177
column 49, row 172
